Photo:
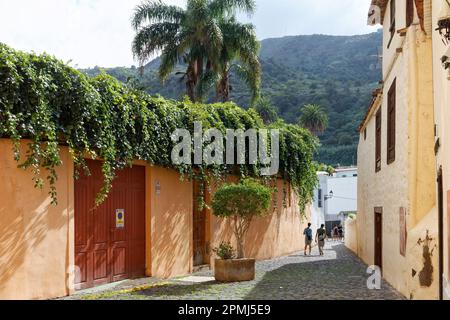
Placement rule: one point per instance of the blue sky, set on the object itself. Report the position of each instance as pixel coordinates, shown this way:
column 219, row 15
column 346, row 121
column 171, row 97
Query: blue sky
column 97, row 32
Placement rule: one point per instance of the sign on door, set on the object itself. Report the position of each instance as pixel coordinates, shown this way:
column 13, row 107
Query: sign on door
column 120, row 218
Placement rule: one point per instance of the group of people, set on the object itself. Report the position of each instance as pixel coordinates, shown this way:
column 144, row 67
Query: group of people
column 321, row 236
column 338, row 233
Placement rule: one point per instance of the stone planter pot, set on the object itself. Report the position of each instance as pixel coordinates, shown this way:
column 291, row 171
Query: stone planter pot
column 235, row 270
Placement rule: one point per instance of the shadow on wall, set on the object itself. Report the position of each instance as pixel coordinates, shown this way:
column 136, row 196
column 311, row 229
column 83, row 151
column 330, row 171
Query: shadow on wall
column 170, row 239
column 21, row 233
column 278, row 233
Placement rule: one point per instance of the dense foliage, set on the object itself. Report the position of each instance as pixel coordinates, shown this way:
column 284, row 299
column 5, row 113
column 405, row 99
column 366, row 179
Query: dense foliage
column 336, row 72
column 241, row 202
column 52, row 104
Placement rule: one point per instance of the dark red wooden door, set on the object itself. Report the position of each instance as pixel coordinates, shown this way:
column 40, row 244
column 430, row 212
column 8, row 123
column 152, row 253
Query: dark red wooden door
column 199, row 227
column 378, row 238
column 106, row 251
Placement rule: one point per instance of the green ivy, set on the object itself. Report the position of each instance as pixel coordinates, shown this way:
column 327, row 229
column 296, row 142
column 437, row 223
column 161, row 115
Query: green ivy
column 51, row 104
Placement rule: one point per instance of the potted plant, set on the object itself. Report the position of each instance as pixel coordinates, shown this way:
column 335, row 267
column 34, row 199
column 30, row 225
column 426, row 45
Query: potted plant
column 240, row 203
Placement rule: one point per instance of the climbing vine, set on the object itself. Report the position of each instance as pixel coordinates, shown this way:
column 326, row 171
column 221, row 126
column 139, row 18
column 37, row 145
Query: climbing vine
column 51, row 104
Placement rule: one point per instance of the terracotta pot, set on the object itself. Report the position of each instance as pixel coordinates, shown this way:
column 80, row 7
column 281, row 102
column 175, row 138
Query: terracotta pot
column 235, row 270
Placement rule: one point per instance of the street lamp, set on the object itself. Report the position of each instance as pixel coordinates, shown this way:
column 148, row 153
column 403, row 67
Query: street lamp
column 330, row 195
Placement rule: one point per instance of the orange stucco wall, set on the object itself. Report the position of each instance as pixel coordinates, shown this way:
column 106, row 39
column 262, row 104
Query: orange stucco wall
column 36, row 246
column 277, row 234
column 37, row 238
column 171, row 224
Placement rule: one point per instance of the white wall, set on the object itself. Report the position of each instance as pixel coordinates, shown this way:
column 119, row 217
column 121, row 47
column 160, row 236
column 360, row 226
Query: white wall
column 344, row 196
column 318, row 213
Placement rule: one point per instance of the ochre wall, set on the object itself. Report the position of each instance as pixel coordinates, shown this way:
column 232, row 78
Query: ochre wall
column 351, row 239
column 36, row 237
column 441, row 83
column 171, row 224
column 407, row 183
column 277, row 234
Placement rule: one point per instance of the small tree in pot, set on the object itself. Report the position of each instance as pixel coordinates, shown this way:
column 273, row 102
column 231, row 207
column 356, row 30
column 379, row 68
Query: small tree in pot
column 241, row 203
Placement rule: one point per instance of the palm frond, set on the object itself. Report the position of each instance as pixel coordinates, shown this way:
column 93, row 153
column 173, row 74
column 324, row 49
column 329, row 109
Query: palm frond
column 152, row 39
column 155, row 12
column 169, row 59
column 251, row 75
column 223, row 7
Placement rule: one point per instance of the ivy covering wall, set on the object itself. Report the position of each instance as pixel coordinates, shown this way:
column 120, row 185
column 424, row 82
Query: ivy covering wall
column 51, row 104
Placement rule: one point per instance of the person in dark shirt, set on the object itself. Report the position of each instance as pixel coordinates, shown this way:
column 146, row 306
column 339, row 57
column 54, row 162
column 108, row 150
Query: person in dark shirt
column 341, row 232
column 321, row 235
column 308, row 233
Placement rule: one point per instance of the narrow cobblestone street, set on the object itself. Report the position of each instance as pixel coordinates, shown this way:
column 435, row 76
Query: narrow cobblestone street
column 338, row 275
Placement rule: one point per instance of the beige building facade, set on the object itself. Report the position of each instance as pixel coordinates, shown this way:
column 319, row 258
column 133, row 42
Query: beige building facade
column 441, row 83
column 397, row 211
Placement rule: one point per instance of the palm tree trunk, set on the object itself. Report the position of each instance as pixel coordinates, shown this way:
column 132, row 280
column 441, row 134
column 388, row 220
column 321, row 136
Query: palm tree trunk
column 191, row 81
column 223, row 88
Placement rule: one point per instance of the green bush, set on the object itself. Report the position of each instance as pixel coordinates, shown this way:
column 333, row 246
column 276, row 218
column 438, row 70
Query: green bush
column 52, row 104
column 241, row 203
column 225, row 251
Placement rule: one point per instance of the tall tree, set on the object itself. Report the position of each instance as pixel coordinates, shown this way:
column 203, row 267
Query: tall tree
column 192, row 35
column 314, row 118
column 266, row 110
column 239, row 54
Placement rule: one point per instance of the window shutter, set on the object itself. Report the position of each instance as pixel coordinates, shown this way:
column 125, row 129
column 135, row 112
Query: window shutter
column 378, row 141
column 392, row 22
column 409, row 12
column 391, row 124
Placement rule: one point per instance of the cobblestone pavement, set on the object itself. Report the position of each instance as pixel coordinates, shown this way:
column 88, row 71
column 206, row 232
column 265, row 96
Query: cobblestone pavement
column 338, row 275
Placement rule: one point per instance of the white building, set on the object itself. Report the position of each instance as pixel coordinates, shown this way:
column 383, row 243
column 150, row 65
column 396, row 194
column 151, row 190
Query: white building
column 335, row 197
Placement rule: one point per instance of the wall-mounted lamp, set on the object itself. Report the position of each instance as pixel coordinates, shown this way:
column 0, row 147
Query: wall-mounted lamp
column 329, row 196
column 444, row 21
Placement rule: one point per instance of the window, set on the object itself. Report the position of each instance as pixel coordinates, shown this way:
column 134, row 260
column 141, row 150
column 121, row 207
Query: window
column 409, row 12
column 319, row 200
column 365, row 134
column 392, row 21
column 378, row 141
column 391, row 124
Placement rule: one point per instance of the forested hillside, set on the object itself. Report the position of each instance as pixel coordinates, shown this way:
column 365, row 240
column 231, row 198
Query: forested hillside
column 337, row 72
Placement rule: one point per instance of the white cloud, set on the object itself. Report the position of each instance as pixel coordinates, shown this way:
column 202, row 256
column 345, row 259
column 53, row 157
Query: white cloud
column 98, row 32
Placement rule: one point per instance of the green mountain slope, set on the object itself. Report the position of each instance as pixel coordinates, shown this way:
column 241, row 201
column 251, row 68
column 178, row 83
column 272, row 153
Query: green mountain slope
column 337, row 72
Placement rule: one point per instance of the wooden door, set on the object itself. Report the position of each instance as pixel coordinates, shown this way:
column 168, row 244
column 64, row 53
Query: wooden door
column 378, row 238
column 200, row 253
column 105, row 250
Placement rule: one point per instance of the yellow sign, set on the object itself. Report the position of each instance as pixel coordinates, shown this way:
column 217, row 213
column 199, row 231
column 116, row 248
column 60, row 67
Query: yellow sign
column 120, row 218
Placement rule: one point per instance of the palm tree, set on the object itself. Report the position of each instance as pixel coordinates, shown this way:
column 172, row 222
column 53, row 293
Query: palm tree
column 192, row 35
column 266, row 110
column 239, row 52
column 314, row 118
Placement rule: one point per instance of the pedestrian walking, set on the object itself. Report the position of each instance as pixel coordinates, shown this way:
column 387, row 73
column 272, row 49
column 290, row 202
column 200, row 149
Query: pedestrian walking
column 334, row 233
column 341, row 232
column 321, row 235
column 308, row 233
